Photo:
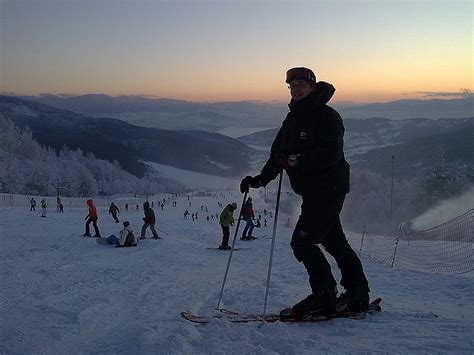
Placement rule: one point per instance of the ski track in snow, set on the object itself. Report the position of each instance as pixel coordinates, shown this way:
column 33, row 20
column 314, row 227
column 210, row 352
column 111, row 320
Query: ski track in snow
column 62, row 293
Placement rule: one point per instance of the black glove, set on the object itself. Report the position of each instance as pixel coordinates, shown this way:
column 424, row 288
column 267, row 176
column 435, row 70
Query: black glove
column 248, row 182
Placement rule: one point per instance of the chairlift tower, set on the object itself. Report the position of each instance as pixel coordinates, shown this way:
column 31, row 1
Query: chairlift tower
column 60, row 185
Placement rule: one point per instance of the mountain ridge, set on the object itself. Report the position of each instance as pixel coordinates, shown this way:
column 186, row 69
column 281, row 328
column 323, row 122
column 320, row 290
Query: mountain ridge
column 110, row 138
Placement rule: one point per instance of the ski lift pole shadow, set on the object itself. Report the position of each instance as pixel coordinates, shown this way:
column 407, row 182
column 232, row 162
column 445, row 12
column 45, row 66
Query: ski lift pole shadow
column 231, row 251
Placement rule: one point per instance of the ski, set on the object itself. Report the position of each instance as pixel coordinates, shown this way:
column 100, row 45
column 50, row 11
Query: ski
column 237, row 317
column 235, row 249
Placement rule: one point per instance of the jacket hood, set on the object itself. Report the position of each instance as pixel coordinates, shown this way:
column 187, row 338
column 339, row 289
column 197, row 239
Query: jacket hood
column 321, row 94
column 90, row 203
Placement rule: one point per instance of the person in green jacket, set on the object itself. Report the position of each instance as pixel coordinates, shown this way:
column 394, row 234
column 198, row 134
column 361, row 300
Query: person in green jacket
column 226, row 219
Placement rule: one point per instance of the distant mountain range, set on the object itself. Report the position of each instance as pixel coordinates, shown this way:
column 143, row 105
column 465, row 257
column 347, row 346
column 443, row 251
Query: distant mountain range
column 453, row 148
column 370, row 143
column 113, row 139
column 180, row 114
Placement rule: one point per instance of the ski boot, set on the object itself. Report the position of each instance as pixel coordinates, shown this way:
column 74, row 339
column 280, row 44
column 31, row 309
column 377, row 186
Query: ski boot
column 322, row 302
column 356, row 299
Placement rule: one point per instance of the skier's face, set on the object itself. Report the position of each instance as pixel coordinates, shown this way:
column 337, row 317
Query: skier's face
column 299, row 89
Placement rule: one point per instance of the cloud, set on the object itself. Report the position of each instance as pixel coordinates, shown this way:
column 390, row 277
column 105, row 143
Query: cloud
column 465, row 93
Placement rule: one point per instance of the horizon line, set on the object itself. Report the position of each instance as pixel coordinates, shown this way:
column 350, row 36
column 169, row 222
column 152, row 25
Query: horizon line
column 444, row 96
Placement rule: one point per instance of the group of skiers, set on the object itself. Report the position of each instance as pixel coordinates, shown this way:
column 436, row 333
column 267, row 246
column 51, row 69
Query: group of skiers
column 42, row 204
column 126, row 237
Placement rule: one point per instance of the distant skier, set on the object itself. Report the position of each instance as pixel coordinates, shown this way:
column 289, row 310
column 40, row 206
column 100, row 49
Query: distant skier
column 58, row 204
column 248, row 217
column 43, row 207
column 113, row 210
column 149, row 221
column 33, row 205
column 226, row 219
column 126, row 207
column 186, row 214
column 126, row 237
column 91, row 218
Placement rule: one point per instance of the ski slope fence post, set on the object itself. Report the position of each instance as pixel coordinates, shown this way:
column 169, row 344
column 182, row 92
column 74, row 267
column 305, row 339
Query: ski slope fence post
column 364, row 232
column 395, row 251
column 272, row 247
column 231, row 250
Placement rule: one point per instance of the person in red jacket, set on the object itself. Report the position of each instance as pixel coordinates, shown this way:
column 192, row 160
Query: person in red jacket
column 248, row 217
column 91, row 217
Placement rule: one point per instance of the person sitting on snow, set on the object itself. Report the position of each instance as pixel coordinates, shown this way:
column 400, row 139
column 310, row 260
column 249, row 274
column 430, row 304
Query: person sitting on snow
column 126, row 237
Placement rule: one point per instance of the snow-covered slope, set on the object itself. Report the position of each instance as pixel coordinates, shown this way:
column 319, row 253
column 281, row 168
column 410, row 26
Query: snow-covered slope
column 62, row 293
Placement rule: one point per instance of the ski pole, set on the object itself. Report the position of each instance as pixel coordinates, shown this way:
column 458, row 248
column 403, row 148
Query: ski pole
column 272, row 247
column 162, row 231
column 231, row 251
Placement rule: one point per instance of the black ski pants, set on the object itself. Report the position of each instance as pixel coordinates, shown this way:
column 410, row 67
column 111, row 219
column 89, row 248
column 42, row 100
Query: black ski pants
column 225, row 235
column 319, row 223
column 114, row 216
column 94, row 223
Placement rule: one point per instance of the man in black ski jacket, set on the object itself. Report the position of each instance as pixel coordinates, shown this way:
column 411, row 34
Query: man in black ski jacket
column 149, row 221
column 309, row 147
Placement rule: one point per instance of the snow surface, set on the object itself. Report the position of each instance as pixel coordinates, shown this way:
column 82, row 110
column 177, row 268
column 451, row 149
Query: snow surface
column 62, row 293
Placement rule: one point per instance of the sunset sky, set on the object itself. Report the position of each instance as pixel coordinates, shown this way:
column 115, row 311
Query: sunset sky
column 234, row 49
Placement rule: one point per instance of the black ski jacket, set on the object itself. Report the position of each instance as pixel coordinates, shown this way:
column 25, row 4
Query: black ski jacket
column 312, row 136
column 149, row 216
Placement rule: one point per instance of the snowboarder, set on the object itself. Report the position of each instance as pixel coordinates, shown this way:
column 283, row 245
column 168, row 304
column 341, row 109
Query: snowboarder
column 226, row 219
column 149, row 221
column 248, row 217
column 33, row 205
column 43, row 207
column 309, row 147
column 91, row 217
column 113, row 210
column 126, row 237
